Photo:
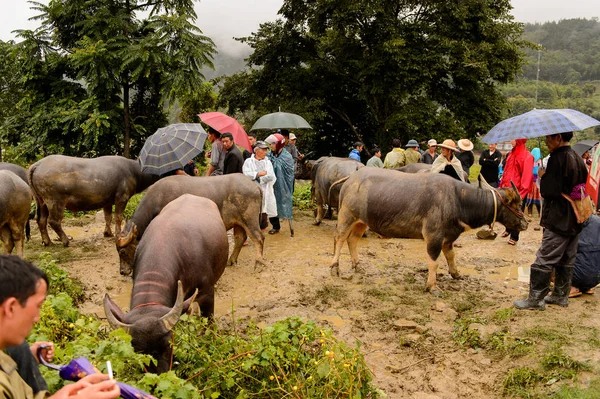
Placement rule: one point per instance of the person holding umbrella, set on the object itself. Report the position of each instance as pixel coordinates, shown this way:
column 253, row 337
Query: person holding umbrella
column 565, row 174
column 283, row 166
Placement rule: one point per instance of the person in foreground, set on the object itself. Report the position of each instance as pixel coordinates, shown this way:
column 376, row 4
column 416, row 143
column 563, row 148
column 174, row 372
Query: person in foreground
column 23, row 289
column 565, row 173
column 586, row 273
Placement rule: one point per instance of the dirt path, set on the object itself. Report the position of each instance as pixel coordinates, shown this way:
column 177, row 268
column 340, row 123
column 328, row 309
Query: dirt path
column 405, row 334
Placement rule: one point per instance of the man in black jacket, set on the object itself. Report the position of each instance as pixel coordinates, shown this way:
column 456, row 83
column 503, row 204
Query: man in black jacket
column 234, row 161
column 490, row 161
column 565, row 173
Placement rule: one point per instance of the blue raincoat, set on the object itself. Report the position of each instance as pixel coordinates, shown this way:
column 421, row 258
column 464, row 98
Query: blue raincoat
column 283, row 166
column 537, row 155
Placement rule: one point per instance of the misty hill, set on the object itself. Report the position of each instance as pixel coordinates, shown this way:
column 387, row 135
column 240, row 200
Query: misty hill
column 571, row 50
column 227, row 63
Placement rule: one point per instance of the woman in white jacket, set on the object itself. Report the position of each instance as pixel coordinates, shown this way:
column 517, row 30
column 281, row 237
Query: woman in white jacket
column 260, row 169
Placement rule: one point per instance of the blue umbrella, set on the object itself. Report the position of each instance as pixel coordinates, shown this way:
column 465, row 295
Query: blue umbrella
column 538, row 123
column 172, row 147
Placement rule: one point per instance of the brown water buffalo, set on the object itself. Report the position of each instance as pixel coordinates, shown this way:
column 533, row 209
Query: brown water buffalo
column 239, row 200
column 422, row 168
column 80, row 184
column 431, row 206
column 22, row 173
column 182, row 253
column 327, row 174
column 15, row 203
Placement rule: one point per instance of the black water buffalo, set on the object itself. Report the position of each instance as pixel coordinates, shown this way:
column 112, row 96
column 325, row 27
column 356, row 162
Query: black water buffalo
column 327, row 174
column 422, row 168
column 182, row 253
column 22, row 173
column 15, row 203
column 80, row 184
column 431, row 206
column 239, row 200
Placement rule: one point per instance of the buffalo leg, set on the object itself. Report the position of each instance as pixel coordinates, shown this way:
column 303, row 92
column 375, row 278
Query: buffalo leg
column 344, row 228
column 55, row 216
column 7, row 241
column 207, row 306
column 119, row 209
column 42, row 221
column 108, row 220
column 239, row 236
column 258, row 238
column 448, row 249
column 357, row 232
column 18, row 239
column 434, row 247
column 319, row 216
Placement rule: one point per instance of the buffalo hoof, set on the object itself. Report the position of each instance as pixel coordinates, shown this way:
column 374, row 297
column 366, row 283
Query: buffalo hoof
column 108, row 234
column 359, row 269
column 259, row 266
column 433, row 291
column 335, row 270
column 316, row 223
column 231, row 263
column 291, row 233
column 456, row 276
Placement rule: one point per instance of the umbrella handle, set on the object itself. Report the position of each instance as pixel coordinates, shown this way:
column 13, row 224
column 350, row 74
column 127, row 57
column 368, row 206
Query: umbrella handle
column 43, row 361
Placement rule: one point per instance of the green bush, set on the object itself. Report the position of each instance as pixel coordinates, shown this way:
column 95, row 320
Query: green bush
column 59, row 280
column 302, row 198
column 132, row 205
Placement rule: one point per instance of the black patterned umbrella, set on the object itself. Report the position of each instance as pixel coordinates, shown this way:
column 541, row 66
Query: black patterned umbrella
column 172, row 147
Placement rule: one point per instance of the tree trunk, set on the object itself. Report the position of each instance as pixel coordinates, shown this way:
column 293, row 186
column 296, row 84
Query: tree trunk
column 126, row 138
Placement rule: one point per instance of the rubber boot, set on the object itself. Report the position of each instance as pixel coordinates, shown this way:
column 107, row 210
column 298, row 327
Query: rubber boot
column 539, row 285
column 562, row 287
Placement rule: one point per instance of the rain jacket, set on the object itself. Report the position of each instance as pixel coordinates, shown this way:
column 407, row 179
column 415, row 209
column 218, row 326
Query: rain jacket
column 586, row 273
column 394, row 159
column 251, row 168
column 283, row 166
column 354, row 154
column 519, row 169
column 11, row 384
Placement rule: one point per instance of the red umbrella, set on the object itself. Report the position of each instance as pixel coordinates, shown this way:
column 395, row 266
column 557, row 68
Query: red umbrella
column 223, row 123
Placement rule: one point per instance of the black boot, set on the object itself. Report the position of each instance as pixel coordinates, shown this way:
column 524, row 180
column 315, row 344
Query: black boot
column 562, row 287
column 539, row 285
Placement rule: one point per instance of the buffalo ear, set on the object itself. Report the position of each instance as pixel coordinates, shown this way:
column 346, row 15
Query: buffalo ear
column 516, row 190
column 115, row 315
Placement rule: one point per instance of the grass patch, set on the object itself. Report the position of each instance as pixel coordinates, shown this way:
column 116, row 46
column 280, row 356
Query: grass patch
column 383, row 294
column 503, row 315
column 518, row 382
column 567, row 392
column 464, row 335
column 330, row 293
column 469, row 302
column 562, row 365
column 546, row 334
column 505, row 344
column 302, row 199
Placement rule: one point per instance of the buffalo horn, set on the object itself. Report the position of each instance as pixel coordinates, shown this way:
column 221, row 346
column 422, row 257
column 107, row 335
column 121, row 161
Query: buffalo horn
column 124, row 241
column 171, row 318
column 516, row 190
column 484, row 184
column 110, row 316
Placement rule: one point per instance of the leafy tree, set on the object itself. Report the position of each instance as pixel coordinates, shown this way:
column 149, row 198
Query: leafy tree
column 119, row 71
column 10, row 87
column 381, row 69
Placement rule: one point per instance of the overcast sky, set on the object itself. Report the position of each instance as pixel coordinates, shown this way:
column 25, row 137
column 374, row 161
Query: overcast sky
column 224, row 19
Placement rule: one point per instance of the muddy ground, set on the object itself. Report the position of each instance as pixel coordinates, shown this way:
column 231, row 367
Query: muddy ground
column 460, row 344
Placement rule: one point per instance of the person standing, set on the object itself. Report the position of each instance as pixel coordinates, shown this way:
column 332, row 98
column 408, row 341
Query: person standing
column 355, row 153
column 412, row 155
column 465, row 155
column 216, row 155
column 252, row 139
column 518, row 170
column 190, row 168
column 430, row 155
column 260, row 169
column 395, row 158
column 565, row 174
column 490, row 163
column 23, row 289
column 234, row 160
column 376, row 158
column 283, row 167
column 447, row 163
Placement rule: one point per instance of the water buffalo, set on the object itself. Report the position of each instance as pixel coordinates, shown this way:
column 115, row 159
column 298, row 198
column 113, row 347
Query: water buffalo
column 239, row 199
column 80, row 184
column 422, row 168
column 326, row 175
column 22, row 173
column 431, row 206
column 15, row 203
column 182, row 255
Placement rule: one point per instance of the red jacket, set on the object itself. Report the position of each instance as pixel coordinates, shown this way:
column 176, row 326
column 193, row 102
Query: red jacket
column 519, row 169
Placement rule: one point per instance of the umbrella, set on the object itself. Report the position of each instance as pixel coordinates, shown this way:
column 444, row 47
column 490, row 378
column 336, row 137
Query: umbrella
column 172, row 147
column 80, row 367
column 281, row 120
column 583, row 146
column 537, row 123
column 226, row 124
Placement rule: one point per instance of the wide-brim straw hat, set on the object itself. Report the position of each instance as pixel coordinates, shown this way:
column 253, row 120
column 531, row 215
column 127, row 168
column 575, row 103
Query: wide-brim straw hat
column 448, row 144
column 465, row 144
column 432, row 143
